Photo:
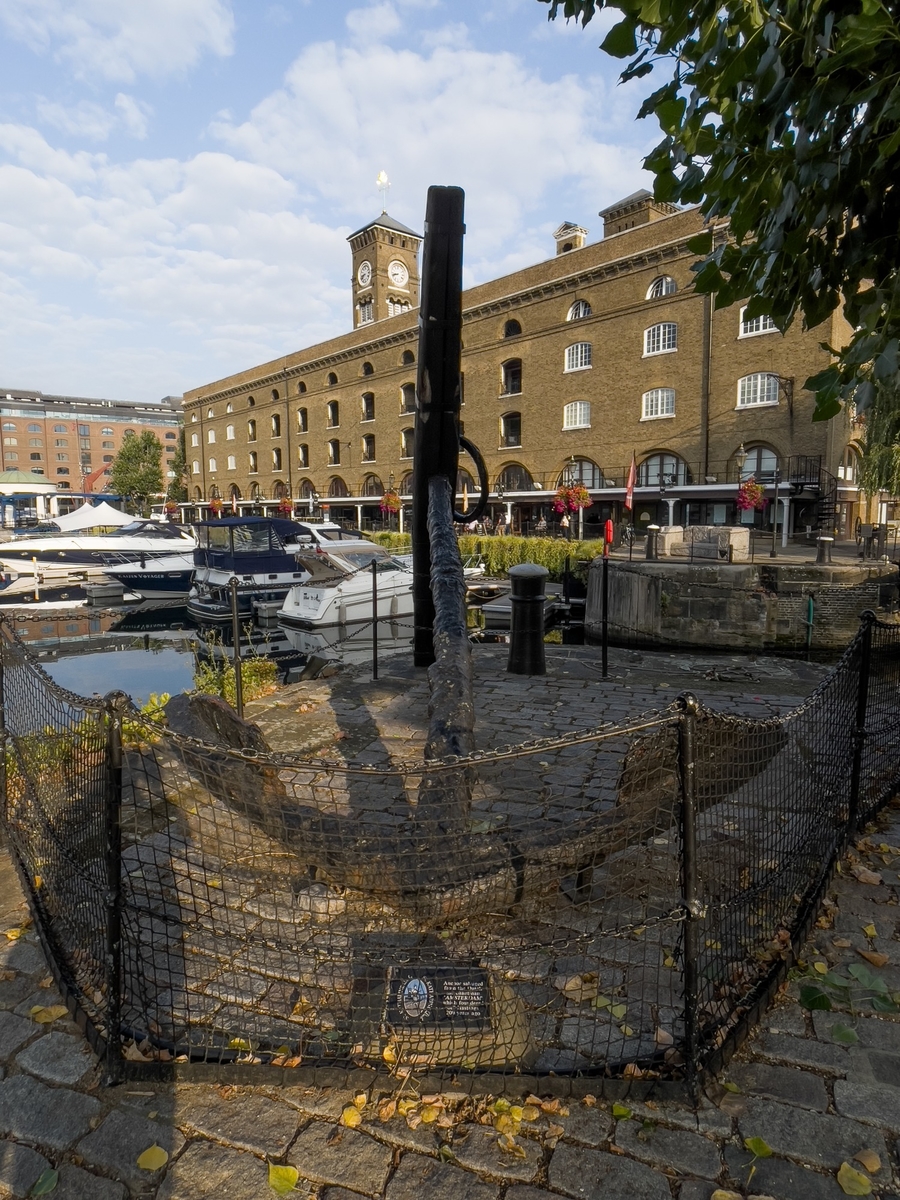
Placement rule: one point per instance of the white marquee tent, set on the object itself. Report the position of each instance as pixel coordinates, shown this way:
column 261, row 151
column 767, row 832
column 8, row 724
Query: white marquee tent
column 91, row 516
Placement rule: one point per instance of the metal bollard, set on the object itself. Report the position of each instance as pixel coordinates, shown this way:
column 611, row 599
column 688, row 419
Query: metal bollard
column 652, row 543
column 823, row 550
column 526, row 641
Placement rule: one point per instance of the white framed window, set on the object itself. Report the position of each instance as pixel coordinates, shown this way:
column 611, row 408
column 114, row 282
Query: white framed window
column 232, row 463
column 229, row 407
column 195, row 439
column 579, row 356
column 579, row 310
column 662, row 285
column 195, row 467
column 229, row 433
column 761, row 388
column 366, row 312
column 276, row 459
column 193, row 419
column 212, row 464
column 210, row 414
column 254, row 462
column 577, row 415
column 756, row 325
column 661, row 339
column 407, row 443
column 210, row 435
column 396, row 307
column 658, row 402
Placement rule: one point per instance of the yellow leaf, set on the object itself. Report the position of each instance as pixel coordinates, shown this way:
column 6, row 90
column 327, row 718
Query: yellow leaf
column 38, row 881
column 619, row 1011
column 668, row 961
column 621, row 1112
column 214, row 883
column 821, row 967
column 627, row 1030
column 389, row 1054
column 351, row 1116
column 153, row 1158
column 516, row 1111
column 601, row 1002
column 14, row 934
column 405, row 1107
column 360, row 1100
column 46, row 1016
column 869, row 1160
column 501, row 1106
column 283, row 1179
column 238, row 1043
column 724, row 1194
column 853, row 1182
column 505, row 1124
column 511, row 1146
column 530, row 1112
column 870, row 931
column 430, row 1113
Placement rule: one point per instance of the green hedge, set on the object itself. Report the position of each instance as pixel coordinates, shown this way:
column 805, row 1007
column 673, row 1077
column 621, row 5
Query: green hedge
column 392, row 541
column 500, row 553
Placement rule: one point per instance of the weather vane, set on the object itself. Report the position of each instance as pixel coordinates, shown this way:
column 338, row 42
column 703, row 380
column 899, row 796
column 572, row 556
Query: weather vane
column 384, row 186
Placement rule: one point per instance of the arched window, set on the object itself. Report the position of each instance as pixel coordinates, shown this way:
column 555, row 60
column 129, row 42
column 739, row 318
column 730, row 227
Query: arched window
column 302, row 420
column 229, row 407
column 251, row 430
column 665, row 469
column 301, row 388
column 234, row 492
column 62, row 470
column 372, row 486
column 274, row 393
column 756, row 325
column 396, row 307
column 407, row 442
column 511, row 377
column 334, row 414
column 579, row 356
column 212, row 465
column 761, row 388
column 276, row 425
column 658, row 402
column 254, row 491
column 195, row 439
column 662, row 285
column 210, row 414
column 58, row 428
column 12, row 425
column 332, row 379
column 579, row 310
column 406, row 484
column 303, row 456
column 232, row 463
column 170, row 437
column 368, row 406
column 512, row 328
column 198, row 495
column 251, row 402
column 515, row 478
column 368, row 447
column 276, row 459
column 464, row 479
column 366, row 311
column 761, row 462
column 229, row 433
column 368, row 369
column 577, row 415
column 65, row 458
column 280, row 490
column 254, row 462
column 408, row 398
column 195, row 467
column 193, row 419
column 334, row 453
column 213, row 492
column 105, row 432
column 511, row 429
column 337, row 487
column 210, row 435
column 307, row 490
column 407, row 357
column 584, row 471
column 660, row 339
column 84, row 432
column 849, row 466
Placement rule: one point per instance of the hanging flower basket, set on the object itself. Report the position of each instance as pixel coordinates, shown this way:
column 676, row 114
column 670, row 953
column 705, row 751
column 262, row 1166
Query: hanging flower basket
column 571, row 499
column 390, row 502
column 285, row 507
column 751, row 495
column 215, row 506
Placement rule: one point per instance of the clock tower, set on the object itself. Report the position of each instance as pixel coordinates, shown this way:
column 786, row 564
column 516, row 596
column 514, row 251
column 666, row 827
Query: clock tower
column 385, row 270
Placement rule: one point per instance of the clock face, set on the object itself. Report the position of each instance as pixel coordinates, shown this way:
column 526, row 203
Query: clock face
column 364, row 274
column 398, row 274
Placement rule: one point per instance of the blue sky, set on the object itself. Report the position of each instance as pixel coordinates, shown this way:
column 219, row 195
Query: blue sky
column 178, row 177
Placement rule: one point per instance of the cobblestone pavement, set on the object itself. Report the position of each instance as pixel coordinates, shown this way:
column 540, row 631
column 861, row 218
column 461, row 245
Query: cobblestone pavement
column 817, row 1089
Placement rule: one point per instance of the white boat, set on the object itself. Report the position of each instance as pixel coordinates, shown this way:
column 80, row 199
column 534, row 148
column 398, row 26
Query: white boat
column 165, row 578
column 93, row 551
column 337, row 590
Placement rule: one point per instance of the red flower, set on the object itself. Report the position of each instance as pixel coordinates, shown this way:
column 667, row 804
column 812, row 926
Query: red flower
column 390, row 502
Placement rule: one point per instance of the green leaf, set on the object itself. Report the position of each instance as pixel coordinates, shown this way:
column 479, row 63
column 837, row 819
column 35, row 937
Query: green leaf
column 731, row 1087
column 844, row 1035
column 853, row 1182
column 283, row 1179
column 621, row 40
column 758, row 1147
column 621, row 1112
column 868, row 979
column 45, row 1183
column 814, row 998
column 884, row 1004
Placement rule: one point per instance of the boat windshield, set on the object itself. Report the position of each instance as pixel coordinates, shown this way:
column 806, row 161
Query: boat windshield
column 336, row 534
column 148, row 529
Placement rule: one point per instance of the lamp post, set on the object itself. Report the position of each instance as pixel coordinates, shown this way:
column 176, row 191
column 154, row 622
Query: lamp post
column 665, row 481
column 773, row 553
column 500, row 494
column 391, row 490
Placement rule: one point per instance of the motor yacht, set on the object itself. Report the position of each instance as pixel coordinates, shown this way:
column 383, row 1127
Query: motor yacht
column 94, row 551
column 337, row 590
column 168, row 577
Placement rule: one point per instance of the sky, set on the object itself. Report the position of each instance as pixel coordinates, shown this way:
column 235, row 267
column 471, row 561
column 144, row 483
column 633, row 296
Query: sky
column 178, row 178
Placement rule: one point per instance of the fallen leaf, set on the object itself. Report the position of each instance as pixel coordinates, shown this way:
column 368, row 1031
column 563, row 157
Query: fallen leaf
column 821, row 967
column 14, row 934
column 872, row 956
column 386, row 1109
column 864, row 875
column 360, row 1100
column 530, row 1112
column 414, row 1120
column 627, row 1030
column 405, row 1107
column 601, row 1002
column 870, row 931
column 853, row 1182
column 430, row 1113
column 42, row 1015
column 724, row 1194
column 843, row 1034
column 283, row 1179
column 618, row 1011
column 389, row 1054
column 668, row 961
column 662, row 1037
column 632, row 1071
column 842, row 943
column 239, row 1043
column 555, row 1131
column 579, row 988
column 621, row 1112
column 45, row 1183
column 134, row 1055
column 869, row 1160
column 153, row 1158
column 445, row 1154
column 351, row 1116
column 758, row 1147
column 731, row 1087
column 511, row 1146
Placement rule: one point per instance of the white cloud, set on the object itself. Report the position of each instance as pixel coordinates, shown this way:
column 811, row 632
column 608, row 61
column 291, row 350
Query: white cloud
column 120, row 39
column 92, row 121
column 372, row 24
column 133, row 114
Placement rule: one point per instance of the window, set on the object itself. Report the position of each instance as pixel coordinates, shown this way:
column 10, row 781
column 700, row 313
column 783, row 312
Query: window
column 109, row 432
column 511, row 377
column 12, row 454
column 229, row 433
column 276, row 425
column 761, row 388
column 337, row 487
column 112, row 446
column 755, row 325
column 302, row 420
column 396, row 307
column 210, row 435
column 579, row 356
column 35, row 442
column 85, row 431
column 274, row 393
column 660, row 339
column 301, row 388
column 212, row 464
column 229, row 407
column 407, row 357
column 366, row 312
column 407, row 442
column 232, row 462
column 579, row 310
column 408, row 398
column 62, row 483
column 193, row 421
column 8, row 441
column 251, row 402
column 372, row 486
column 848, row 466
column 368, row 447
column 658, row 402
column 511, row 429
column 62, row 470
column 368, row 406
column 663, row 469
column 254, row 464
column 303, row 456
column 584, row 471
column 34, row 429
column 761, row 462
column 662, row 285
column 107, row 458
column 210, row 414
column 334, row 452
column 515, row 478
column 62, row 458
column 37, row 470
column 577, row 415
column 333, row 418
column 195, row 439
column 62, row 442
column 251, row 430
column 12, row 425
column 276, row 459
column 170, row 437
column 36, row 457
column 368, row 369
column 57, row 428
column 512, row 329
column 170, row 449
column 195, row 467
column 332, row 379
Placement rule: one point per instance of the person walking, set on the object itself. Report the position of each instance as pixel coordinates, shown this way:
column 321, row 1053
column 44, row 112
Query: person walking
column 501, row 524
column 564, row 525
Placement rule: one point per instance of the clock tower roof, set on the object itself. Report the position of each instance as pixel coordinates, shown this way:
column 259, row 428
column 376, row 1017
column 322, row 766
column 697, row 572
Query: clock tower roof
column 386, row 222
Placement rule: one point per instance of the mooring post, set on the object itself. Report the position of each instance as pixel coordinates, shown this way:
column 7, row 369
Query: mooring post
column 115, row 703
column 374, row 619
column 526, row 620
column 236, row 649
column 693, row 906
column 867, row 620
column 437, row 391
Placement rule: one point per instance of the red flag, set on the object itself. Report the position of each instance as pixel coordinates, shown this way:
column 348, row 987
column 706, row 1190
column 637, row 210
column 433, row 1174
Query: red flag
column 629, row 485
column 234, row 503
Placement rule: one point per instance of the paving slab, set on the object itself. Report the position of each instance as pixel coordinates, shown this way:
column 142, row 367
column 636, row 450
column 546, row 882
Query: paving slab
column 44, row 1116
column 208, row 1170
column 57, row 1058
column 589, row 1126
column 816, row 1138
column 789, row 1084
column 873, row 1104
column 478, row 1148
column 20, row 1169
column 14, row 1032
column 779, row 1179
column 75, row 1184
column 330, row 1154
column 594, row 1173
column 688, row 1153
column 244, row 1120
column 419, row 1178
column 115, row 1145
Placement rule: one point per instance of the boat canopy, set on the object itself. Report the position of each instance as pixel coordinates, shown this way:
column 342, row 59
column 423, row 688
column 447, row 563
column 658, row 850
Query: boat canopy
column 92, row 516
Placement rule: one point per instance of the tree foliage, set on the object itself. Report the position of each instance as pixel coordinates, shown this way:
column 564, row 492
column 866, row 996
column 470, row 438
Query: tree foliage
column 879, row 464
column 782, row 116
column 136, row 471
column 177, row 489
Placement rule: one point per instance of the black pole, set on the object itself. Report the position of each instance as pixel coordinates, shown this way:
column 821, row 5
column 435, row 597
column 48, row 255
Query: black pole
column 859, row 733
column 604, row 627
column 437, row 390
column 3, row 739
column 566, row 579
column 114, row 704
column 236, row 649
column 693, row 908
column 374, row 619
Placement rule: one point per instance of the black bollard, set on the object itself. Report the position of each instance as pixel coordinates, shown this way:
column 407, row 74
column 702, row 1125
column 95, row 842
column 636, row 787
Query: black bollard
column 526, row 641
column 823, row 550
column 652, row 543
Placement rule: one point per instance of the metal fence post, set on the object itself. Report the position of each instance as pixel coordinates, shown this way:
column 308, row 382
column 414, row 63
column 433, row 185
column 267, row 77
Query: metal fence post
column 236, row 649
column 115, row 706
column 867, row 620
column 693, row 906
column 3, row 800
column 374, row 618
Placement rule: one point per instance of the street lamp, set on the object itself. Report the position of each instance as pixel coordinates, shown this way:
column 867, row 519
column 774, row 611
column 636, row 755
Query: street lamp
column 666, row 479
column 773, row 553
column 740, row 458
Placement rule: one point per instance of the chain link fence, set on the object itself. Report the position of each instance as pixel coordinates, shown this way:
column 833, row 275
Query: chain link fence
column 606, row 910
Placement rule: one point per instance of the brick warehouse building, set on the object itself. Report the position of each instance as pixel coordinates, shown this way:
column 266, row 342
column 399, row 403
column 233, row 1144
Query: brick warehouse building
column 569, row 367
